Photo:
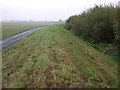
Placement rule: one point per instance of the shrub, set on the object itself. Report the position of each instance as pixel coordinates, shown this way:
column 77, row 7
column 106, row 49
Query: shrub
column 69, row 22
column 98, row 25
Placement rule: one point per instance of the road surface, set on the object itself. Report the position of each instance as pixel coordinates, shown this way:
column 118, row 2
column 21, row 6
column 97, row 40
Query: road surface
column 13, row 39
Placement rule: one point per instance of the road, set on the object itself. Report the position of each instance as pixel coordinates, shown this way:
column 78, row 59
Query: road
column 13, row 39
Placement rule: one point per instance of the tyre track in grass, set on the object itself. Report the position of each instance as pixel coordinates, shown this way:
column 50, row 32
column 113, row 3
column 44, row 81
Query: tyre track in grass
column 58, row 61
column 36, row 73
column 72, row 60
column 44, row 72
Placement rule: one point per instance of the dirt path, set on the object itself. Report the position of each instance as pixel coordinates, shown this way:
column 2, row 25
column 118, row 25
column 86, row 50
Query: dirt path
column 11, row 40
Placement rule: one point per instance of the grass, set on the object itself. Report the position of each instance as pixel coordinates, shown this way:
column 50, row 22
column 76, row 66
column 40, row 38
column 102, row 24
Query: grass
column 54, row 57
column 10, row 29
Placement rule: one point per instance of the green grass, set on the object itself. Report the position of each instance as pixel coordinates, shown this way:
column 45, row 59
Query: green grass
column 43, row 62
column 55, row 57
column 10, row 29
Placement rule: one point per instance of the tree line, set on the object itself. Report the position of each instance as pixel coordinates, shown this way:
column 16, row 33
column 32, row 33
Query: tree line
column 99, row 24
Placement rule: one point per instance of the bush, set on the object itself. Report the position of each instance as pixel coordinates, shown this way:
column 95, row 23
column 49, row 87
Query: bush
column 98, row 25
column 69, row 22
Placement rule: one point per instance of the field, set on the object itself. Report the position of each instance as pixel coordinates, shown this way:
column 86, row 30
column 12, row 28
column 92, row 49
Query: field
column 55, row 57
column 10, row 29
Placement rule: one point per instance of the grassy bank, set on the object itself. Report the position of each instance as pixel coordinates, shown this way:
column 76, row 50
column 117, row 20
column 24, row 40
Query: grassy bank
column 55, row 57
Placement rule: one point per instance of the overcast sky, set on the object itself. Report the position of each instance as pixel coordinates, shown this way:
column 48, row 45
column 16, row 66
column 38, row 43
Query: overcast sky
column 41, row 10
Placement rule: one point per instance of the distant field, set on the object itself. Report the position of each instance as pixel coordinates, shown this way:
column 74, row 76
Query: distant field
column 54, row 57
column 9, row 29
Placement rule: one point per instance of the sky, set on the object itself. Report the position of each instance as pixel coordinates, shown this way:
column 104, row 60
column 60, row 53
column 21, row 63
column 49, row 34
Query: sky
column 41, row 10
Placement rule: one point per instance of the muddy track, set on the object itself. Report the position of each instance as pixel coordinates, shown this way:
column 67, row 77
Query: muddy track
column 13, row 39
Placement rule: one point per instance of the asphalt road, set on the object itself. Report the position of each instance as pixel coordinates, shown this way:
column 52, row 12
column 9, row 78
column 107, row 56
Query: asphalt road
column 13, row 39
